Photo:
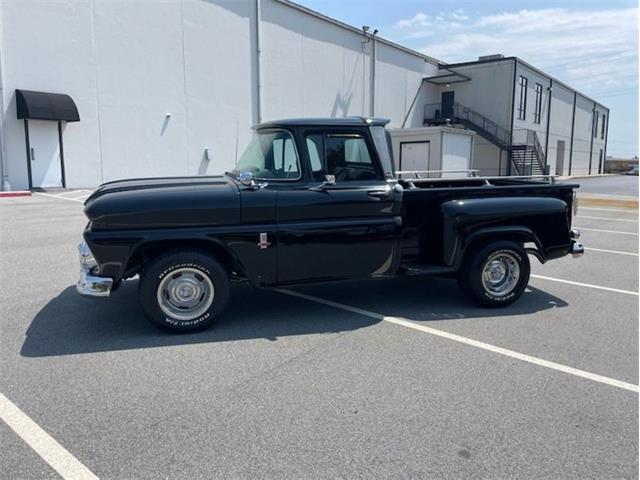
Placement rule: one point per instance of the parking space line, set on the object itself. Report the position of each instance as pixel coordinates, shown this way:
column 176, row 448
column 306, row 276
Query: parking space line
column 605, row 231
column 588, row 285
column 59, row 458
column 58, row 197
column 469, row 341
column 610, row 251
column 608, row 219
column 64, row 194
column 619, row 210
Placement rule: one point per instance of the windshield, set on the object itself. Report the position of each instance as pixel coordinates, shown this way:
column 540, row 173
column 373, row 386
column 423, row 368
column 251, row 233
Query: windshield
column 270, row 155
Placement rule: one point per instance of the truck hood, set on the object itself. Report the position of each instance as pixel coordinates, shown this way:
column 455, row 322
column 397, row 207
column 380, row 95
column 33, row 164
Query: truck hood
column 164, row 202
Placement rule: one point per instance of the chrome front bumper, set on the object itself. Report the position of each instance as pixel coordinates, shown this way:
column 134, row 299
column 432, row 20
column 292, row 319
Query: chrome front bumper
column 90, row 284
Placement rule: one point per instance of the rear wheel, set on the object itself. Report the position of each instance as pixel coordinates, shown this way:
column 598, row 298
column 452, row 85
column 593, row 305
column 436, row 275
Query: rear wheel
column 184, row 291
column 495, row 274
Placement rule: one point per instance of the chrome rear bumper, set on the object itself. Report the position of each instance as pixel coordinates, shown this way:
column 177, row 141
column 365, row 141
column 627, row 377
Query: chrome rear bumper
column 577, row 250
column 89, row 284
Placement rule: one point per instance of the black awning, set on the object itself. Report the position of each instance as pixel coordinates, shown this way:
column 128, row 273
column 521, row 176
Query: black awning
column 46, row 106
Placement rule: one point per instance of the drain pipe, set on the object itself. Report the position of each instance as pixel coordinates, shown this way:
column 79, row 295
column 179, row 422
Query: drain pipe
column 258, row 46
column 372, row 90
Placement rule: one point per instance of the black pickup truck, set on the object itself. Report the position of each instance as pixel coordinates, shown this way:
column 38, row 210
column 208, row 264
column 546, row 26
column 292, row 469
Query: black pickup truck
column 314, row 200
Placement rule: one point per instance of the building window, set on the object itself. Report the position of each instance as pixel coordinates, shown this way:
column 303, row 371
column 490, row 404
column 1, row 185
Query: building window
column 522, row 108
column 604, row 122
column 537, row 113
column 595, row 124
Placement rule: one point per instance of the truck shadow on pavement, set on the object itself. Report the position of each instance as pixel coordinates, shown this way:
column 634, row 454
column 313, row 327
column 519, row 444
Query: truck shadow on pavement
column 71, row 324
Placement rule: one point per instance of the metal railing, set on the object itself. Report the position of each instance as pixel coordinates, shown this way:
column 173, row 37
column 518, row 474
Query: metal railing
column 458, row 113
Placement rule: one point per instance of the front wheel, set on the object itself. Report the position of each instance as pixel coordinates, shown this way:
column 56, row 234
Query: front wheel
column 183, row 291
column 495, row 274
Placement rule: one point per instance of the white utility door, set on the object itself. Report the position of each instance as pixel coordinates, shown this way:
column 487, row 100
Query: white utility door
column 456, row 154
column 414, row 156
column 46, row 169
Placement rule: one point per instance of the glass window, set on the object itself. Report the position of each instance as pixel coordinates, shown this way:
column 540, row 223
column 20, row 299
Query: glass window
column 314, row 148
column 522, row 107
column 270, row 155
column 538, row 112
column 595, row 124
column 346, row 156
column 604, row 129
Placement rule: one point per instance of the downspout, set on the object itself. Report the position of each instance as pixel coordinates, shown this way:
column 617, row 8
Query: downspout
column 258, row 46
column 606, row 139
column 593, row 125
column 4, row 171
column 513, row 107
column 546, row 140
column 372, row 90
column 573, row 125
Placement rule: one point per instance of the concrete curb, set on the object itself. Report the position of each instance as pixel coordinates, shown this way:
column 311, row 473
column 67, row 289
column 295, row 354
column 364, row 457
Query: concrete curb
column 16, row 193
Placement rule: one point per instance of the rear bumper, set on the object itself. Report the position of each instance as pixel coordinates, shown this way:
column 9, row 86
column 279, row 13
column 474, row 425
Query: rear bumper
column 89, row 284
column 577, row 250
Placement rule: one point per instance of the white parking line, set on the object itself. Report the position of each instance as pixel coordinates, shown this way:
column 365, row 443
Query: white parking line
column 619, row 210
column 63, row 194
column 58, row 197
column 588, row 285
column 610, row 251
column 471, row 342
column 606, row 231
column 608, row 219
column 59, row 458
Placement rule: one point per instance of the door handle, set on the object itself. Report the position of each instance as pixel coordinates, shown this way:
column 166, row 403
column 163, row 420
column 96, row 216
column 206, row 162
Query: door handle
column 33, row 155
column 380, row 194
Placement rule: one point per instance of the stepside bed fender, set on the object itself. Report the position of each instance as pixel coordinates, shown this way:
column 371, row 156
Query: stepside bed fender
column 543, row 221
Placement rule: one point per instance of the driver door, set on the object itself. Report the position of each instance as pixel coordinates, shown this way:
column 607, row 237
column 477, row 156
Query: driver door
column 348, row 229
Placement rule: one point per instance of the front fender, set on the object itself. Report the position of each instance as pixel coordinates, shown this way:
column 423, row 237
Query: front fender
column 541, row 220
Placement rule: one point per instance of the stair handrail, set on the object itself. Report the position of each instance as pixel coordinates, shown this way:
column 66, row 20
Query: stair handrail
column 478, row 121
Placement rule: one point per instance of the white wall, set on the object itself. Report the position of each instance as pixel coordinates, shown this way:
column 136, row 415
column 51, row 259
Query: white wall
column 560, row 128
column 127, row 64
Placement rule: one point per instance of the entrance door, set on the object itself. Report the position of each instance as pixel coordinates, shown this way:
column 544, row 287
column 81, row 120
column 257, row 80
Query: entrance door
column 44, row 154
column 447, row 100
column 414, row 156
column 560, row 157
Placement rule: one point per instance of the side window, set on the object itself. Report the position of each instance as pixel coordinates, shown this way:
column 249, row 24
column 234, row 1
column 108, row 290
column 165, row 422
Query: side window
column 348, row 158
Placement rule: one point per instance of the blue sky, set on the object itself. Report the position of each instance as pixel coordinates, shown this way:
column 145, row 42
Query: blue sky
column 592, row 46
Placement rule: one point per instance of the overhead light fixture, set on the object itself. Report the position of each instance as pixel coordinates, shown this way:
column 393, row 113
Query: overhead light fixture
column 365, row 28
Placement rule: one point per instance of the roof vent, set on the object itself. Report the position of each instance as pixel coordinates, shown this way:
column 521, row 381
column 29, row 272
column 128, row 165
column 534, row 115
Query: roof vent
column 495, row 56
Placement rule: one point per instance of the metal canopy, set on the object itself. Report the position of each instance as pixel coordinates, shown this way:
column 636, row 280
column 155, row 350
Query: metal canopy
column 46, row 106
column 445, row 78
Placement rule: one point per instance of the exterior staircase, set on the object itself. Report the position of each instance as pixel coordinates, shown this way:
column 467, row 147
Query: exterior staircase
column 523, row 145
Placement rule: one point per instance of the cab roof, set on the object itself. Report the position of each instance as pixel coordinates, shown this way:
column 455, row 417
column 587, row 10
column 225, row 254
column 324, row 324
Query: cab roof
column 324, row 122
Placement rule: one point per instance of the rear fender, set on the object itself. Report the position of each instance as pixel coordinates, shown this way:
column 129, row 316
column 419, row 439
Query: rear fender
column 541, row 220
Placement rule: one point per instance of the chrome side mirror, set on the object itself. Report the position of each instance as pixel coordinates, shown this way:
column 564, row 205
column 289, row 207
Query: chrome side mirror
column 329, row 180
column 246, row 179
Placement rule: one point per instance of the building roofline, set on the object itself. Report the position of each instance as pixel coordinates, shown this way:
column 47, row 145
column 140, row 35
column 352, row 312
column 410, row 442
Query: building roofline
column 353, row 29
column 528, row 65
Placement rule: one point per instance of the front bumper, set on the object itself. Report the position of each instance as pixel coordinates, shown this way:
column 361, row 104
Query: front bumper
column 90, row 284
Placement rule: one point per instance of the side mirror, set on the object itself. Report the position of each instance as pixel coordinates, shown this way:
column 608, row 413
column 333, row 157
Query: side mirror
column 246, row 179
column 329, row 181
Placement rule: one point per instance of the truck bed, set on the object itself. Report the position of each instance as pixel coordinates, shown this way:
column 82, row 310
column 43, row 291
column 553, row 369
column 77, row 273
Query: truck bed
column 423, row 218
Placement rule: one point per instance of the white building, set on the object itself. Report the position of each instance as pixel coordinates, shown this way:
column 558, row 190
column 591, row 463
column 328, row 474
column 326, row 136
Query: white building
column 173, row 87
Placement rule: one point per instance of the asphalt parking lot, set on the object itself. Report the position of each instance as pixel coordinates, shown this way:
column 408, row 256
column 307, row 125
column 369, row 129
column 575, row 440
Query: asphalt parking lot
column 398, row 378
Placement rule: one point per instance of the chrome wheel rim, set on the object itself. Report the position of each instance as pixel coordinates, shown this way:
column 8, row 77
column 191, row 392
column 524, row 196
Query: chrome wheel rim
column 500, row 274
column 185, row 294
